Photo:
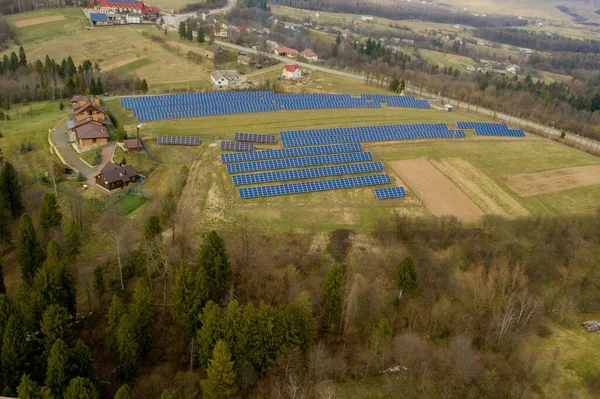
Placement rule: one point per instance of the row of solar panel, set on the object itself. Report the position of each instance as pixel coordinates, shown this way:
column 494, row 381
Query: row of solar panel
column 236, row 146
column 510, row 133
column 307, row 173
column 178, row 140
column 289, row 163
column 326, row 105
column 256, row 138
column 369, row 137
column 418, row 127
column 312, row 186
column 490, row 129
column 290, row 152
column 390, row 192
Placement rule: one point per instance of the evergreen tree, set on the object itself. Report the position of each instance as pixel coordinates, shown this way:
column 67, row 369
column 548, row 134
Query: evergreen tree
column 168, row 394
column 182, row 30
column 15, row 351
column 81, row 388
column 127, row 350
column 144, row 86
column 29, row 253
column 152, row 228
column 213, row 262
column 406, row 276
column 332, row 294
column 55, row 325
column 82, row 362
column 73, row 237
column 14, row 62
column 61, row 106
column 188, row 299
column 211, row 331
column 2, row 286
column 10, row 189
column 99, row 86
column 99, row 284
column 295, row 324
column 142, row 316
column 93, row 88
column 220, row 380
column 50, row 215
column 114, row 317
column 5, row 313
column 57, row 376
column 201, row 39
column 5, row 235
column 125, row 392
column 28, row 389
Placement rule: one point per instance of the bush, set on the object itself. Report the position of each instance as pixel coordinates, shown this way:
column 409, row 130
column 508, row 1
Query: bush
column 118, row 134
column 80, row 176
column 97, row 157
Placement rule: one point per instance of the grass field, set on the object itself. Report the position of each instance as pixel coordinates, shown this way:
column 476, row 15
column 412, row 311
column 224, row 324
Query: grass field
column 61, row 22
column 128, row 204
column 30, row 123
column 132, row 66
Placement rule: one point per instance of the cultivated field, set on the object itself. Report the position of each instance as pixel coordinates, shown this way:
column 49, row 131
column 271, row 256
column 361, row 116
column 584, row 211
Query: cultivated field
column 554, row 181
column 487, row 195
column 38, row 21
column 437, row 192
column 45, row 25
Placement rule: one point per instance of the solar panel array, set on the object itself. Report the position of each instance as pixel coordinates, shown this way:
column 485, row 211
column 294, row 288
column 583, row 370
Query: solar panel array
column 397, row 101
column 178, row 140
column 170, row 106
column 390, row 192
column 290, row 152
column 300, row 138
column 288, row 163
column 490, row 129
column 236, row 146
column 256, row 138
column 312, row 186
column 307, row 173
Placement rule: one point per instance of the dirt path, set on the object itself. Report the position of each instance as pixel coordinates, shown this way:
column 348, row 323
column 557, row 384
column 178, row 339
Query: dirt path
column 38, row 21
column 488, row 196
column 552, row 181
column 439, row 194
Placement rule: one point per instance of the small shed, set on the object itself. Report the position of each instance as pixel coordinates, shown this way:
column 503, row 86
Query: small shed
column 133, row 145
column 448, row 108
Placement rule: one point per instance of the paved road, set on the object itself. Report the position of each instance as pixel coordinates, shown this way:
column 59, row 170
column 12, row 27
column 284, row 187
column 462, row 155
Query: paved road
column 62, row 142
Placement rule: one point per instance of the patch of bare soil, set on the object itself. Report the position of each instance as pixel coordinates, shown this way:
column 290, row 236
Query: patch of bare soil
column 552, row 181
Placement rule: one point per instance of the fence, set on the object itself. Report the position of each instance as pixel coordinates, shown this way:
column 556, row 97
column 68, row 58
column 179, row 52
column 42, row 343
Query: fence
column 111, row 200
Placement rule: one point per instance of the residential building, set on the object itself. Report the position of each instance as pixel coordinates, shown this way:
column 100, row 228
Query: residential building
column 210, row 52
column 286, row 52
column 133, row 145
column 309, row 55
column 226, row 79
column 127, row 6
column 113, row 177
column 98, row 19
column 89, row 124
column 221, row 31
column 244, row 60
column 134, row 18
column 291, row 72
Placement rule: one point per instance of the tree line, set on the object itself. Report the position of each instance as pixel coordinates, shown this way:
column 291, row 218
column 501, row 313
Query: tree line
column 539, row 41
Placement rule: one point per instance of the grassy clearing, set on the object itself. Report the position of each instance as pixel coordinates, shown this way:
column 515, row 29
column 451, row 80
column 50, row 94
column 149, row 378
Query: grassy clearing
column 128, row 204
column 30, row 123
column 140, row 162
column 74, row 21
column 446, row 60
column 121, row 46
column 132, row 66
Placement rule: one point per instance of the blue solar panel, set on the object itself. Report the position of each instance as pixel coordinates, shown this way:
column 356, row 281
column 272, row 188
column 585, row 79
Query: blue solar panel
column 390, row 192
column 291, row 152
column 169, row 106
column 307, row 173
column 490, row 129
column 289, row 163
column 312, row 186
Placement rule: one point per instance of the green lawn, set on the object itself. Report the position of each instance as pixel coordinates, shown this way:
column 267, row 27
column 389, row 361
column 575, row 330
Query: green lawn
column 140, row 162
column 129, row 203
column 132, row 66
column 30, row 123
column 73, row 20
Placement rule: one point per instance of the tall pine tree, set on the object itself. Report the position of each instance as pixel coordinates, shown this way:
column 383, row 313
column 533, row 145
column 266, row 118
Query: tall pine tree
column 220, row 380
column 50, row 215
column 57, row 376
column 215, row 269
column 16, row 351
column 10, row 189
column 81, row 388
column 127, row 350
column 142, row 316
column 30, row 255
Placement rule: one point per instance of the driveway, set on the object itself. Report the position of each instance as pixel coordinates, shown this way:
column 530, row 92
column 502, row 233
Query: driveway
column 61, row 139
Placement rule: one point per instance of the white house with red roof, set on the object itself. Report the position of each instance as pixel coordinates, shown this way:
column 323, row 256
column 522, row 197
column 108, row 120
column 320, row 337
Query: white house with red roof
column 127, row 6
column 291, row 72
column 309, row 55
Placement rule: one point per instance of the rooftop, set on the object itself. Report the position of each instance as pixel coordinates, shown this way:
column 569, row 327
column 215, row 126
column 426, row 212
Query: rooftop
column 113, row 173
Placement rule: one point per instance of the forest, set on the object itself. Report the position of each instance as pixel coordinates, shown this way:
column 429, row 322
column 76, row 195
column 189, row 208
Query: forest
column 405, row 11
column 427, row 307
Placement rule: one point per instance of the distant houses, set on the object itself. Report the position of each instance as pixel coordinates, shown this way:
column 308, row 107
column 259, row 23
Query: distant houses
column 222, row 79
column 119, row 12
column 89, row 124
column 289, row 52
column 211, row 52
column 286, row 52
column 309, row 55
column 291, row 72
